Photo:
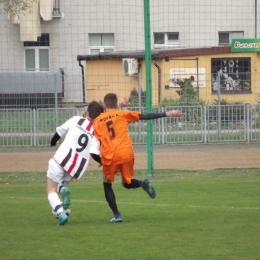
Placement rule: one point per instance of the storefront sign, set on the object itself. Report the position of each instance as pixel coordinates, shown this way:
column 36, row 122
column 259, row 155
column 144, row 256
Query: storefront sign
column 245, row 45
column 198, row 76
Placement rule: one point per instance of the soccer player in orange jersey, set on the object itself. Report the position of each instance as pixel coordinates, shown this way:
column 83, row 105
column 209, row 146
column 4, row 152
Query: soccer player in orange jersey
column 117, row 154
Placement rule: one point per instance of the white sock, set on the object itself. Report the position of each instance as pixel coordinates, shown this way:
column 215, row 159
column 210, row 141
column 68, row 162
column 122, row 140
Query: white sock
column 60, row 187
column 55, row 202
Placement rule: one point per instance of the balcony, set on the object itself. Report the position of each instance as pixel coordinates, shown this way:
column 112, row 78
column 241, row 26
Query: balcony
column 56, row 13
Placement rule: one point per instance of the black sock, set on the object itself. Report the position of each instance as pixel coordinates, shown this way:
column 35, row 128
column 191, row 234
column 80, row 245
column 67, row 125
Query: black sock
column 110, row 197
column 134, row 184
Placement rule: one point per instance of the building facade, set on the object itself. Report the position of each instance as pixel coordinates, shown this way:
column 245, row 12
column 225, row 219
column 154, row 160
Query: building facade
column 47, row 63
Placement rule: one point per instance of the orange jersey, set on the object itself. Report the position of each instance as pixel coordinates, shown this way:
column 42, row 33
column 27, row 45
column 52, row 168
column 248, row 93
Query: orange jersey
column 111, row 128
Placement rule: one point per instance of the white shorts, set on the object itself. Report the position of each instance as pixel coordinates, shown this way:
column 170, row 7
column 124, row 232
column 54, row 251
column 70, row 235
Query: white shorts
column 57, row 174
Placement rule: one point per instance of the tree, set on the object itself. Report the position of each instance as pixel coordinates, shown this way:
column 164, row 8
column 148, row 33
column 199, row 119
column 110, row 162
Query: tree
column 133, row 99
column 187, row 93
column 13, row 7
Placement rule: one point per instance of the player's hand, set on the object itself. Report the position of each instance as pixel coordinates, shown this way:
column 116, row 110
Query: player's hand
column 175, row 113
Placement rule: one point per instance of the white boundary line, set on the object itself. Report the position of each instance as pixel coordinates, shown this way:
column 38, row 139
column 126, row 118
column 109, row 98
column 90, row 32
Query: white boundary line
column 144, row 204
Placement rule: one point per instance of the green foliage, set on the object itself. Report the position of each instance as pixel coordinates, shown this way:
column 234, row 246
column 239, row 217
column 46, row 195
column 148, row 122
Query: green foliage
column 189, row 96
column 222, row 102
column 196, row 215
column 13, row 7
column 225, row 102
column 258, row 98
column 133, row 99
column 181, row 102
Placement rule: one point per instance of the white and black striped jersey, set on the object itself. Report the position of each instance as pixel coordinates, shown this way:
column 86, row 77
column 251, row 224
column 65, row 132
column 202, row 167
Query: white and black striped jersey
column 74, row 153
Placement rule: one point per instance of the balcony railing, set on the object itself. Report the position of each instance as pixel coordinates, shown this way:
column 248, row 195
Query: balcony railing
column 56, row 9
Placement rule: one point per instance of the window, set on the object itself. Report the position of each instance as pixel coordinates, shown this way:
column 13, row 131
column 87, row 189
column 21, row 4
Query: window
column 159, row 38
column 101, row 42
column 56, row 8
column 164, row 40
column 235, row 74
column 37, row 54
column 224, row 38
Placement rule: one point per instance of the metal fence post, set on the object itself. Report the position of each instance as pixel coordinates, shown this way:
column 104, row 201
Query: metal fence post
column 56, row 100
column 219, row 104
column 248, row 123
column 163, row 130
column 205, row 123
column 34, row 128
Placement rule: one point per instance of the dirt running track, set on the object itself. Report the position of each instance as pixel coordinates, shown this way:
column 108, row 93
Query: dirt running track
column 199, row 156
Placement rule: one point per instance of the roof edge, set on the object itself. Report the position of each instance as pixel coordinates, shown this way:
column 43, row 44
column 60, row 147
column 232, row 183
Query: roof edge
column 157, row 54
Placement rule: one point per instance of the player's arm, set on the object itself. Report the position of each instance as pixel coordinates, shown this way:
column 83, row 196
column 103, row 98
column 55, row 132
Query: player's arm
column 148, row 116
column 96, row 157
column 55, row 139
column 95, row 150
column 61, row 131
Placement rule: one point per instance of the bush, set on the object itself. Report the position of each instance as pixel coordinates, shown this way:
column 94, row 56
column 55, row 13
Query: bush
column 181, row 102
column 133, row 99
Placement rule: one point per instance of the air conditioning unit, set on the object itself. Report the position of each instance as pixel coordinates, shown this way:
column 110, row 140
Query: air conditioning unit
column 130, row 67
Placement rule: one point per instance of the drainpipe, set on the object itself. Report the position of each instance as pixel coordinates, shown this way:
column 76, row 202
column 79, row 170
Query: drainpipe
column 83, row 82
column 159, row 80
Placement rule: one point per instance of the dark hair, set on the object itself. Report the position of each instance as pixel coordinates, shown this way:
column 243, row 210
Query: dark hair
column 94, row 109
column 110, row 100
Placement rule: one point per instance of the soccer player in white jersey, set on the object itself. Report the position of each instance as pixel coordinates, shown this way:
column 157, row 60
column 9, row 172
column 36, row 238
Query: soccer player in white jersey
column 72, row 157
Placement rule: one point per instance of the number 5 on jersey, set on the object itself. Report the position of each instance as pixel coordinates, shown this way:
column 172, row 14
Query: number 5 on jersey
column 111, row 129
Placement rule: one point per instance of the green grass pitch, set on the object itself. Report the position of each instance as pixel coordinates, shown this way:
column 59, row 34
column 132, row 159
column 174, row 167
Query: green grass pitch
column 196, row 215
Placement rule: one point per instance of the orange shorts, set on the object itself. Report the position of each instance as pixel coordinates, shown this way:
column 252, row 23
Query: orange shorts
column 126, row 169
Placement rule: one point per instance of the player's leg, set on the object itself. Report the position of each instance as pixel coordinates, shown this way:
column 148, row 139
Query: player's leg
column 108, row 178
column 64, row 190
column 127, row 172
column 52, row 183
column 148, row 188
